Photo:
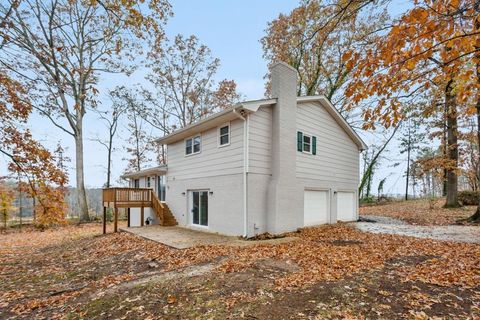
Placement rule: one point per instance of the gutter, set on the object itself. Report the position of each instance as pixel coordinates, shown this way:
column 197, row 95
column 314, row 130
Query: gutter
column 245, row 119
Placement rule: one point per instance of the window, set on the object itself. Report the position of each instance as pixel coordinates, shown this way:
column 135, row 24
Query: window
column 162, row 190
column 306, row 143
column 148, row 182
column 192, row 145
column 136, row 183
column 224, row 135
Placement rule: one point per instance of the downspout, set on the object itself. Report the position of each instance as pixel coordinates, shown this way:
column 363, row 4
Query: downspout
column 245, row 169
column 245, row 175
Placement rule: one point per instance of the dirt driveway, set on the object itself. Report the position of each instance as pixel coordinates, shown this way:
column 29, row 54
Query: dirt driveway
column 458, row 233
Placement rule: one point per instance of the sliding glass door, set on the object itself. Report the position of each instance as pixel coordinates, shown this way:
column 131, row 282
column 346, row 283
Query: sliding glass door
column 199, row 207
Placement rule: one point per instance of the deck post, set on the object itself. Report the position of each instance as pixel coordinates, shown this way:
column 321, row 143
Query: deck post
column 115, row 224
column 104, row 219
column 128, row 217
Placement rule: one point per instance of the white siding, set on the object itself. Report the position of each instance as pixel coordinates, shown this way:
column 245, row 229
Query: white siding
column 337, row 158
column 212, row 160
column 143, row 182
column 260, row 141
column 135, row 215
column 148, row 212
column 225, row 202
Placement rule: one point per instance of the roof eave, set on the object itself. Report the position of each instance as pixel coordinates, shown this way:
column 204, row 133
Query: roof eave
column 145, row 172
column 215, row 120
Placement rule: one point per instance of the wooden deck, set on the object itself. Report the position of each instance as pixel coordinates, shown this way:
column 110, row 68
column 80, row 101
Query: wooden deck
column 127, row 197
column 135, row 198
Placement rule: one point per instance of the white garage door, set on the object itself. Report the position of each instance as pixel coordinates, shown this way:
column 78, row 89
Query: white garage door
column 346, row 206
column 315, row 208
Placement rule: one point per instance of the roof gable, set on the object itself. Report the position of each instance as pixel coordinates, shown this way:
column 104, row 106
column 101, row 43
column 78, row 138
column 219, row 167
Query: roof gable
column 339, row 119
column 239, row 109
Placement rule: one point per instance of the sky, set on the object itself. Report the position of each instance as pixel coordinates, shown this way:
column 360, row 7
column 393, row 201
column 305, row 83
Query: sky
column 232, row 30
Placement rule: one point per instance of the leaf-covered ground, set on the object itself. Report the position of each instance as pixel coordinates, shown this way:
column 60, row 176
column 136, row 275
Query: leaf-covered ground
column 329, row 272
column 419, row 212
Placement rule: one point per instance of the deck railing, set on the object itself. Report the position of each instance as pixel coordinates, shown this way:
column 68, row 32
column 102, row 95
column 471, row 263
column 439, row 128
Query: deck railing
column 158, row 207
column 123, row 197
column 134, row 198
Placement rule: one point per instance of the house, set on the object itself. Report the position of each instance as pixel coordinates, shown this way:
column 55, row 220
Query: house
column 151, row 178
column 271, row 165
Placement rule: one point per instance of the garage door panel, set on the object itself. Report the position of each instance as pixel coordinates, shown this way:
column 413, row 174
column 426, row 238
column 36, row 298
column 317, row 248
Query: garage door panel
column 346, row 206
column 316, row 207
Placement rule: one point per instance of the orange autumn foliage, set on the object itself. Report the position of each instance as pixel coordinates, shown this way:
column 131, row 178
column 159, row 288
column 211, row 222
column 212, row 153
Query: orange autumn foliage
column 314, row 37
column 28, row 157
column 432, row 44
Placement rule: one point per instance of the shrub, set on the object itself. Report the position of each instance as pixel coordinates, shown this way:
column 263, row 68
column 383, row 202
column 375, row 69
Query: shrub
column 367, row 200
column 469, row 198
column 109, row 214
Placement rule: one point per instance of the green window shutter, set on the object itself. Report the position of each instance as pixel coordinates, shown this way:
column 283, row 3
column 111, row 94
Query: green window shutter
column 299, row 141
column 314, row 145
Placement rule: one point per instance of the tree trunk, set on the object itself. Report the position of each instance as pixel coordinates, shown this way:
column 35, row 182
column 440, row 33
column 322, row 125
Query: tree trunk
column 452, row 148
column 81, row 194
column 408, row 165
column 20, row 205
column 445, row 148
column 34, row 209
column 109, row 163
column 369, row 184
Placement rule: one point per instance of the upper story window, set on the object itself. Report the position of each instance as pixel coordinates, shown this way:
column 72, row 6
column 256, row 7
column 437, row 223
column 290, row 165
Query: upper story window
column 136, row 183
column 193, row 145
column 224, row 135
column 306, row 143
column 148, row 182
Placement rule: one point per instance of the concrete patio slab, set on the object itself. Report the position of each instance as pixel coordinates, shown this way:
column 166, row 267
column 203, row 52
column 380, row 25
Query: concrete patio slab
column 183, row 238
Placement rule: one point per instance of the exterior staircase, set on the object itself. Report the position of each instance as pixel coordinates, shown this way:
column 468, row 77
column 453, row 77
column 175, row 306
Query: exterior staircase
column 163, row 212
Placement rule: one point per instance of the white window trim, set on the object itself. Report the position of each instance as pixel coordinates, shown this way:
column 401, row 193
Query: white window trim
column 190, row 214
column 229, row 135
column 303, row 143
column 185, row 145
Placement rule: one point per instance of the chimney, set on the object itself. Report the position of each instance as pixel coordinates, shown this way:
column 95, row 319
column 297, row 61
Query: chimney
column 285, row 199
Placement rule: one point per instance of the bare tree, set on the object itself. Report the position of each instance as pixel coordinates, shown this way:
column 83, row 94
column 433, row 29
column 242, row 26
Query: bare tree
column 314, row 38
column 140, row 141
column 59, row 48
column 410, row 143
column 185, row 91
column 371, row 160
column 110, row 118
